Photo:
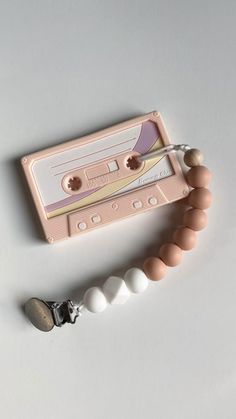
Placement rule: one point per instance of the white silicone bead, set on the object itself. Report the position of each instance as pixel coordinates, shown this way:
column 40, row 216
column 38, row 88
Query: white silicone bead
column 116, row 290
column 136, row 280
column 94, row 300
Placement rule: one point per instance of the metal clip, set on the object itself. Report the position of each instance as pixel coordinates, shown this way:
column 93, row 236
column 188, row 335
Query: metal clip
column 65, row 312
column 46, row 314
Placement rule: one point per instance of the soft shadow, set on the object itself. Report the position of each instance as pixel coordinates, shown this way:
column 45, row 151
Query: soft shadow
column 25, row 201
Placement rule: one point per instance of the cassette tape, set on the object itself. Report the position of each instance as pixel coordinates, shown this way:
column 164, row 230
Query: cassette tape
column 97, row 179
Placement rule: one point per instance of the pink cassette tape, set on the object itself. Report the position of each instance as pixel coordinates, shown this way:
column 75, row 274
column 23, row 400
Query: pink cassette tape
column 95, row 180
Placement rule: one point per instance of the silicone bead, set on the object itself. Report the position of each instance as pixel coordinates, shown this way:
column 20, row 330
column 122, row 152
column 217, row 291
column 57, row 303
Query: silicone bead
column 195, row 218
column 116, row 290
column 198, row 177
column 136, row 280
column 193, row 157
column 185, row 238
column 200, row 198
column 154, row 268
column 171, row 254
column 94, row 300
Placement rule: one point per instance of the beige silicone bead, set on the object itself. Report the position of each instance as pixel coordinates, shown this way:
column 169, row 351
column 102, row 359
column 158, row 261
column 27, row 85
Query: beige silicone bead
column 195, row 219
column 193, row 157
column 200, row 198
column 171, row 254
column 185, row 237
column 154, row 268
column 198, row 177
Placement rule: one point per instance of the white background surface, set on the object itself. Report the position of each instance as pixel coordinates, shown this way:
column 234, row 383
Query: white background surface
column 69, row 68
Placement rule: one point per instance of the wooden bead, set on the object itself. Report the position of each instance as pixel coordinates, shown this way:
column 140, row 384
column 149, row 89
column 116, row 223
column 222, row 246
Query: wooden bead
column 154, row 268
column 171, row 254
column 198, row 177
column 193, row 157
column 195, row 219
column 200, row 198
column 185, row 238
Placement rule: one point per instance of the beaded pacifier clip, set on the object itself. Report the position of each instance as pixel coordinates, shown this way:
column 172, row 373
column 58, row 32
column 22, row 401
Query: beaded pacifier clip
column 45, row 315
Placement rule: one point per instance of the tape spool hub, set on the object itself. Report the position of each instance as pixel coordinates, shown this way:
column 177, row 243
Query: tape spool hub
column 132, row 163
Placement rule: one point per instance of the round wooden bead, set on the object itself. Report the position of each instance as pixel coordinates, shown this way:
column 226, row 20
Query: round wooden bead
column 154, row 268
column 136, row 280
column 171, row 254
column 198, row 177
column 185, row 237
column 200, row 198
column 195, row 219
column 94, row 300
column 193, row 157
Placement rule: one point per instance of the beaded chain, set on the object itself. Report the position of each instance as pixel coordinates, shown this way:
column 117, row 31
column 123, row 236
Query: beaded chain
column 45, row 315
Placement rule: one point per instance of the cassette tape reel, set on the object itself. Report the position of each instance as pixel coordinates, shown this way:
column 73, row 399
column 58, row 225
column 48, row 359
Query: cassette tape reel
column 97, row 179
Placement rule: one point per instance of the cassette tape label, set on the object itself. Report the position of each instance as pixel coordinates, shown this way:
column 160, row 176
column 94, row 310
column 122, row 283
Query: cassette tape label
column 98, row 168
column 50, row 172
